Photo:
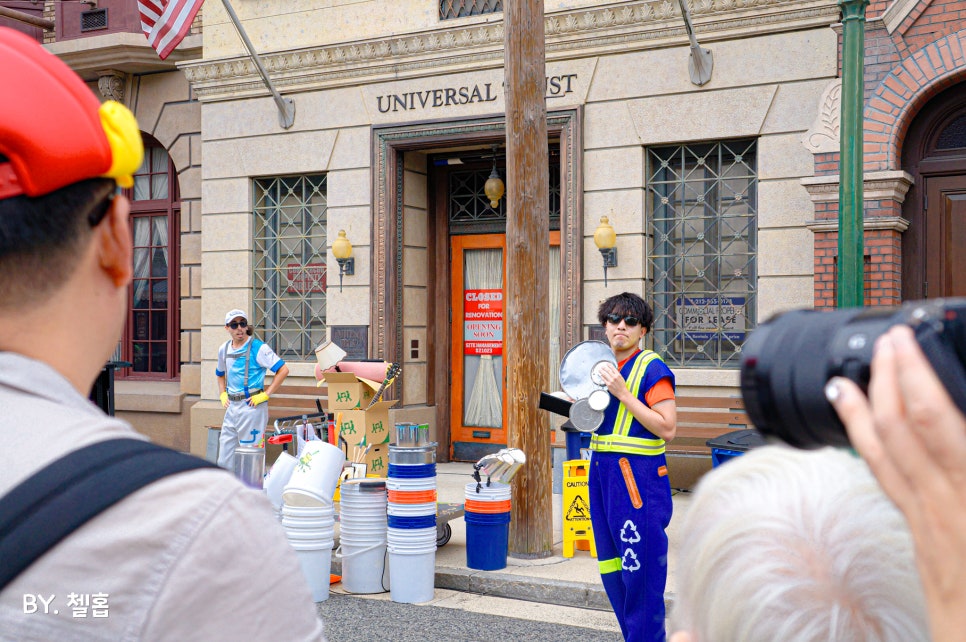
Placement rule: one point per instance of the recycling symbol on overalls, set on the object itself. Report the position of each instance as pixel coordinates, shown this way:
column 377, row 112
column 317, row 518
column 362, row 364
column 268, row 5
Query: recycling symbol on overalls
column 629, row 562
column 629, row 533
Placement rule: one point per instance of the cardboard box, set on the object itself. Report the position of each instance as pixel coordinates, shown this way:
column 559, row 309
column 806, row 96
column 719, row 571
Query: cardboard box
column 347, row 391
column 377, row 461
column 371, row 426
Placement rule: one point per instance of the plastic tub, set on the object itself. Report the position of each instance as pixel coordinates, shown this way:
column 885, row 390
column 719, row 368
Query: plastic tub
column 412, row 496
column 410, row 523
column 409, row 471
column 487, row 538
column 412, row 510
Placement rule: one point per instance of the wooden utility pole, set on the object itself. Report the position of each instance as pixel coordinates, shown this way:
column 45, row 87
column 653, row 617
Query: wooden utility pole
column 527, row 284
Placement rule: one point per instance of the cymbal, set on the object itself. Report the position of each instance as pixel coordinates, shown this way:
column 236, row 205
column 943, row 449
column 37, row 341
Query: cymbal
column 578, row 368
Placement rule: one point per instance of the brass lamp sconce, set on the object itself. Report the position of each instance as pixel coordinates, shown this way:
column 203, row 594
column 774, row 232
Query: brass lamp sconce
column 494, row 187
column 605, row 238
column 342, row 249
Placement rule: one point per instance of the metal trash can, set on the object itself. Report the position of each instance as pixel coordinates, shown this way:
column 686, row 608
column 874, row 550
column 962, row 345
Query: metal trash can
column 733, row 444
column 102, row 393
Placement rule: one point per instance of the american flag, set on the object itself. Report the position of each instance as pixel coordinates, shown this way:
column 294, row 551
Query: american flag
column 166, row 22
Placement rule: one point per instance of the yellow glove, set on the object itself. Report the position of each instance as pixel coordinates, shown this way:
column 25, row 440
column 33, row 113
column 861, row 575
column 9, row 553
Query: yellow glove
column 261, row 397
column 224, row 399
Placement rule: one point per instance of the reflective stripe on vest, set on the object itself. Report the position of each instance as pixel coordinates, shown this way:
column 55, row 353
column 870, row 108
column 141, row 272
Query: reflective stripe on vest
column 619, row 440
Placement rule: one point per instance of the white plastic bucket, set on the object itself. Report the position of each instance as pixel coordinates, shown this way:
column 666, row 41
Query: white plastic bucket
column 307, row 524
column 412, row 575
column 495, row 492
column 299, row 497
column 278, row 477
column 365, row 566
column 316, row 563
column 316, row 472
column 419, row 483
column 411, row 510
column 305, row 535
column 411, row 536
column 309, row 512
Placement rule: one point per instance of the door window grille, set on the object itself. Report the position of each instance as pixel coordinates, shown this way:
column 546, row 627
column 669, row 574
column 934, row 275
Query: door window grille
column 703, row 201
column 289, row 263
column 469, row 208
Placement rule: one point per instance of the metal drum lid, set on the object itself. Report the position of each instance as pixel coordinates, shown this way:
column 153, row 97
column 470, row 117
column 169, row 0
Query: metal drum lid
column 584, row 418
column 599, row 399
column 578, row 366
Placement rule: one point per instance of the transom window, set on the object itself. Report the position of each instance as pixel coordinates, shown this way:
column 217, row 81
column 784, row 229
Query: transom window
column 703, row 201
column 289, row 261
column 449, row 9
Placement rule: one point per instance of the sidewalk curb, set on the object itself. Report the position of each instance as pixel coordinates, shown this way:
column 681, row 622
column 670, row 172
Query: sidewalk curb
column 531, row 589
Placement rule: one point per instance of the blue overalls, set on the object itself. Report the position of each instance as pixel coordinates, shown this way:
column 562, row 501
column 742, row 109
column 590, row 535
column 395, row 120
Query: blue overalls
column 630, row 507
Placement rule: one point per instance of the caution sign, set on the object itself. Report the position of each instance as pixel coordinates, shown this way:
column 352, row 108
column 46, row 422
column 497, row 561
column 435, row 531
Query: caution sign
column 578, row 510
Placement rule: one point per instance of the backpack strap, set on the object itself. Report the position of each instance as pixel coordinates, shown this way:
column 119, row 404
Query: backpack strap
column 60, row 498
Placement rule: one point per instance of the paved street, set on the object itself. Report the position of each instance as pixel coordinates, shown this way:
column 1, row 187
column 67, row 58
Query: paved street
column 460, row 617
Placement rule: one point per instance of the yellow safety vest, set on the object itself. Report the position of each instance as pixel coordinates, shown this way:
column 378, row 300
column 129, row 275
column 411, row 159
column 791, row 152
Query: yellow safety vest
column 620, row 440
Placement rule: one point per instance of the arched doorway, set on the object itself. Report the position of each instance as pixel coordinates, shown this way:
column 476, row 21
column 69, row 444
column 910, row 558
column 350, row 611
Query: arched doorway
column 934, row 153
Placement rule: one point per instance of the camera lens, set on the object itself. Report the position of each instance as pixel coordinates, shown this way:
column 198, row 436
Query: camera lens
column 788, row 360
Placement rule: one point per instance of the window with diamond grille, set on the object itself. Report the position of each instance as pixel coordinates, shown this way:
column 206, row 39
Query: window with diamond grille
column 449, row 9
column 703, row 201
column 289, row 261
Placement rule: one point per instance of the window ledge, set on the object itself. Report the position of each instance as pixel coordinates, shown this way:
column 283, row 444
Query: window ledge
column 148, row 396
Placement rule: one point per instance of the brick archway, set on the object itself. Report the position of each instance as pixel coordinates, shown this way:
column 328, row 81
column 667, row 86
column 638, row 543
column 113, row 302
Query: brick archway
column 901, row 94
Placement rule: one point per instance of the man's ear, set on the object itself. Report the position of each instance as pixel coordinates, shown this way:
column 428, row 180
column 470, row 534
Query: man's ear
column 681, row 636
column 115, row 251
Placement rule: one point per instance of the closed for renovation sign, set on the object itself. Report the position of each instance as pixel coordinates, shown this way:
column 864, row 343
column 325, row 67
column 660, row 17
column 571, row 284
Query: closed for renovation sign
column 483, row 322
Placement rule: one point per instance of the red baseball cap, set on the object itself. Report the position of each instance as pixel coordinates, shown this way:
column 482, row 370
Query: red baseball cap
column 53, row 129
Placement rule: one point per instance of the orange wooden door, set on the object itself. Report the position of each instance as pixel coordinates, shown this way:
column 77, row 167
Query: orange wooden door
column 478, row 370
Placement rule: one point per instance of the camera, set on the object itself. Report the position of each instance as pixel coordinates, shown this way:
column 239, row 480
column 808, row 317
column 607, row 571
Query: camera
column 787, row 361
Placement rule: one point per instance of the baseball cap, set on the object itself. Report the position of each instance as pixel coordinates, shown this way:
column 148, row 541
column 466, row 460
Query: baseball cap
column 233, row 314
column 53, row 129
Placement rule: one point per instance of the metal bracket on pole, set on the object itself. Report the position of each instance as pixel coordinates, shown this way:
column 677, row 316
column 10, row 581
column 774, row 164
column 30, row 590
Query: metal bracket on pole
column 286, row 106
column 700, row 62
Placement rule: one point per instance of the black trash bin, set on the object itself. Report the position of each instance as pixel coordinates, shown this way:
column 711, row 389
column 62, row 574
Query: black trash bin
column 732, row 444
column 102, row 393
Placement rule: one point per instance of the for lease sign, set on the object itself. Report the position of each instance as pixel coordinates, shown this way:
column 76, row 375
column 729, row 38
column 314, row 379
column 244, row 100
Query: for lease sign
column 483, row 322
column 702, row 318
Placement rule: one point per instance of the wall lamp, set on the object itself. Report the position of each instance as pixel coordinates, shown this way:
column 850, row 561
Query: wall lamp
column 605, row 238
column 494, row 187
column 342, row 249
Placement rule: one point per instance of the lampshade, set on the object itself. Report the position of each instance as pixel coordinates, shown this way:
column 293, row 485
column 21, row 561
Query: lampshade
column 604, row 236
column 342, row 248
column 494, row 188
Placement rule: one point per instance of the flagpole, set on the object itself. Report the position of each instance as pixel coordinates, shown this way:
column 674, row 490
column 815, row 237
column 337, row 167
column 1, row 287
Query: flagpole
column 286, row 106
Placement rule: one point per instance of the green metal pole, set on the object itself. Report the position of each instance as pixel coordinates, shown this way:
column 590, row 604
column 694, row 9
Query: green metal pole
column 850, row 270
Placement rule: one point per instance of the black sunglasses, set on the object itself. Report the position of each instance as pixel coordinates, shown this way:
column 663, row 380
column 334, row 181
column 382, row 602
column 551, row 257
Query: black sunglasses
column 630, row 321
column 234, row 325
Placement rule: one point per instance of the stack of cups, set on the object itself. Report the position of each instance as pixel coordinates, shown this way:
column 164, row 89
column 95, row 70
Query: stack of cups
column 362, row 536
column 308, row 513
column 487, row 517
column 411, row 537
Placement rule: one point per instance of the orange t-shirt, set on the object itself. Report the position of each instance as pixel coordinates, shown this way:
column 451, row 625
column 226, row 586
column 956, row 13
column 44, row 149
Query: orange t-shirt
column 660, row 391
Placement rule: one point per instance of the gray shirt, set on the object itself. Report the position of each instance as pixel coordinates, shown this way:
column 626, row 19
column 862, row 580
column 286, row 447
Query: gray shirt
column 195, row 556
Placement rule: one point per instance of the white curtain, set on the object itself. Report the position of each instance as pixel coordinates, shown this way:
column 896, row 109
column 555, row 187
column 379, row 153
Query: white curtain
column 161, row 239
column 483, row 270
column 142, row 257
column 554, row 338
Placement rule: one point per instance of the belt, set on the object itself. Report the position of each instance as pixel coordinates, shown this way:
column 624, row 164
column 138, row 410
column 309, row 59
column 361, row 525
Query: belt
column 241, row 396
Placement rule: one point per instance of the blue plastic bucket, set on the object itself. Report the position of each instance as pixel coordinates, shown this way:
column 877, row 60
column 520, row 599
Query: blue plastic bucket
column 487, row 540
column 399, row 521
column 411, row 471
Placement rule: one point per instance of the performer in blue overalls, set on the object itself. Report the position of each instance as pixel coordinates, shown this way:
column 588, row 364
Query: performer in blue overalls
column 242, row 362
column 630, row 496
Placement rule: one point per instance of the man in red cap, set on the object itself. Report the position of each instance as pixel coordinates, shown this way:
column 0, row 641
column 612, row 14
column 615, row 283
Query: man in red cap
column 194, row 555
